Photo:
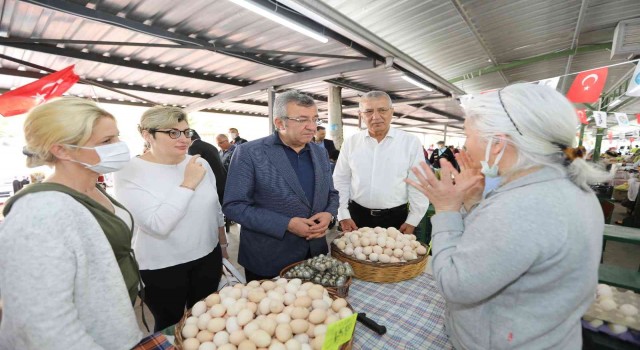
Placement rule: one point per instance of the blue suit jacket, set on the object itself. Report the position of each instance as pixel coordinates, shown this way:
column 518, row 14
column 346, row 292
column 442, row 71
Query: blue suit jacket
column 263, row 194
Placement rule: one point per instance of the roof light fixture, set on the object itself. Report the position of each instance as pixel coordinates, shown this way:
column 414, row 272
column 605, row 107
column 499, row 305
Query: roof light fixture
column 416, row 83
column 280, row 19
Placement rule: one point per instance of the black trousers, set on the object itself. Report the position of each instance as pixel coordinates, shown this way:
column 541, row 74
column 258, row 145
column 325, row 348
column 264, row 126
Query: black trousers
column 169, row 290
column 252, row 276
column 393, row 217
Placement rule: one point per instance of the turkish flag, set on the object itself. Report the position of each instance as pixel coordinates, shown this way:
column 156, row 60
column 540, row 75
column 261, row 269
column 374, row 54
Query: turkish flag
column 638, row 118
column 587, row 86
column 582, row 115
column 610, row 136
column 22, row 99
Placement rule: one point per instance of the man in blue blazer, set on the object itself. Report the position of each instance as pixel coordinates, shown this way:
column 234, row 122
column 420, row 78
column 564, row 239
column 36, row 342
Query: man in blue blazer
column 280, row 190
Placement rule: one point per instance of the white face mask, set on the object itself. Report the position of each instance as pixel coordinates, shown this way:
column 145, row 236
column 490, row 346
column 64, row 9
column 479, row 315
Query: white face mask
column 233, row 136
column 113, row 157
column 491, row 171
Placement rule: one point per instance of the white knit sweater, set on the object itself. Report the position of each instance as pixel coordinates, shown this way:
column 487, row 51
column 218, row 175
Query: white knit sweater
column 60, row 281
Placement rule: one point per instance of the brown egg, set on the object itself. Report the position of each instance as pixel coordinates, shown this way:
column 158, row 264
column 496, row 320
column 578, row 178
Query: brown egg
column 247, row 345
column 299, row 313
column 338, row 304
column 304, row 301
column 204, row 336
column 284, row 332
column 216, row 325
column 191, row 344
column 268, row 285
column 260, row 338
column 317, row 316
column 237, row 337
column 299, row 326
column 212, row 300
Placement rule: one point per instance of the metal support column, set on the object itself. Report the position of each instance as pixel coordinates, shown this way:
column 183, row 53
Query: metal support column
column 582, row 128
column 596, row 149
column 445, row 135
column 271, row 97
column 335, row 115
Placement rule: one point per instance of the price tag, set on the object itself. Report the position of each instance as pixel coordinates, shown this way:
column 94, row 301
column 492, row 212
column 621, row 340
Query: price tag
column 339, row 332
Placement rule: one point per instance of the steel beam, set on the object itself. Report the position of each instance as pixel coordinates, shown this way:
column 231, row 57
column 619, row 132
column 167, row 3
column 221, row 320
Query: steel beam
column 340, row 24
column 466, row 18
column 531, row 60
column 178, row 46
column 94, row 57
column 574, row 42
column 287, row 81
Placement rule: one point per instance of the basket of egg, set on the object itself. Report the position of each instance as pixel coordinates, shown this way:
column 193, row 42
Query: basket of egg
column 381, row 255
column 327, row 271
column 276, row 315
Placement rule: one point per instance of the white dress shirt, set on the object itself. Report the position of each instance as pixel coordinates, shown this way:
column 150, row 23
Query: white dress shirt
column 173, row 224
column 372, row 174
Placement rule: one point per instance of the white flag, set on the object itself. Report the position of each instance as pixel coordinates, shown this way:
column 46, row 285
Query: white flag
column 552, row 82
column 634, row 83
column 622, row 119
column 601, row 119
column 635, row 133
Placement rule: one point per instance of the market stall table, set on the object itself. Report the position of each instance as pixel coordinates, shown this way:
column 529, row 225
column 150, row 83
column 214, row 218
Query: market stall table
column 412, row 311
column 622, row 234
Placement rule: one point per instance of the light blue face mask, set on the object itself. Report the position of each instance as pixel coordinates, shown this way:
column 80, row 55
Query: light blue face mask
column 491, row 171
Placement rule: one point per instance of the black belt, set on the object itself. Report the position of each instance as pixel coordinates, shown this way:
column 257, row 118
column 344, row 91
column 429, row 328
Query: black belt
column 378, row 212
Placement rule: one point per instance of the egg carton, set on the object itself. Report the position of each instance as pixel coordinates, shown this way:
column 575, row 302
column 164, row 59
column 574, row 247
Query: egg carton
column 621, row 297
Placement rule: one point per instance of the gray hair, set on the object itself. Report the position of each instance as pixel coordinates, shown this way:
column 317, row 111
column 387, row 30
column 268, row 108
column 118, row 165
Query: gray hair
column 537, row 121
column 295, row 96
column 222, row 136
column 374, row 95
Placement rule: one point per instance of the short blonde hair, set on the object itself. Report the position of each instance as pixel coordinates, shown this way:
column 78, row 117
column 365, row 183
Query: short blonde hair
column 67, row 120
column 161, row 117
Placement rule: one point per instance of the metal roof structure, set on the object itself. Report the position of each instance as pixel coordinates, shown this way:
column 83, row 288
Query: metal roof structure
column 216, row 54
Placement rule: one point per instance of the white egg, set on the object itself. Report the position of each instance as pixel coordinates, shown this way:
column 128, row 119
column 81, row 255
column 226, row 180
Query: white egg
column 228, row 301
column 608, row 304
column 190, row 344
column 382, row 242
column 207, row 346
column 260, row 338
column 377, row 249
column 237, row 337
column 596, row 323
column 199, row 308
column 391, row 243
column 320, row 304
column 365, row 242
column 283, row 318
column 320, row 329
column 212, row 299
column 191, row 320
column 291, row 288
column 276, row 345
column 203, row 321
column 190, row 331
column 293, row 344
column 302, row 338
column 232, row 325
column 348, row 251
column 628, row 310
column 345, row 312
column 244, row 316
column 384, row 258
column 367, row 250
column 204, row 336
column 250, row 328
column 617, row 328
column 422, row 250
column 361, row 257
column 225, row 292
column 388, row 251
column 357, row 250
column 221, row 338
column 393, row 259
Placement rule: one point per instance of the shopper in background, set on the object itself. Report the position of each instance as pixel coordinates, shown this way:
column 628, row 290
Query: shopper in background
column 180, row 237
column 226, row 150
column 67, row 272
column 519, row 268
column 235, row 138
column 209, row 153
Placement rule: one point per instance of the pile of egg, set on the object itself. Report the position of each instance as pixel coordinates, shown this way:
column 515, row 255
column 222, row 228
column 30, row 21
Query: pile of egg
column 380, row 245
column 605, row 302
column 274, row 315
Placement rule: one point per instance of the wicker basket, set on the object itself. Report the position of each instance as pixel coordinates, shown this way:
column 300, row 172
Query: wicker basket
column 178, row 328
column 382, row 272
column 340, row 292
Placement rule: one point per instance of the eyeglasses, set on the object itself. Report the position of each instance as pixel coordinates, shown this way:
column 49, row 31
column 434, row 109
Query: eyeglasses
column 175, row 133
column 369, row 112
column 314, row 121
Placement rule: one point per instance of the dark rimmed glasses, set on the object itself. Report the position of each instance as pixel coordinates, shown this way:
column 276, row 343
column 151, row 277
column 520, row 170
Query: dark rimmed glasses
column 175, row 133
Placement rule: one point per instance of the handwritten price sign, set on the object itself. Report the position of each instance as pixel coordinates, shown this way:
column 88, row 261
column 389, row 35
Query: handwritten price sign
column 339, row 332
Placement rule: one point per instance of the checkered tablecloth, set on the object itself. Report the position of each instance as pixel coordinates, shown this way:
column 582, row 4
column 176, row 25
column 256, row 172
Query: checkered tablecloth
column 412, row 311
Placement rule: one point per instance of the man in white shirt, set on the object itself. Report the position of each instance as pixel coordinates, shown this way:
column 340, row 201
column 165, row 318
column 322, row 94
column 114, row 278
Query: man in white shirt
column 371, row 170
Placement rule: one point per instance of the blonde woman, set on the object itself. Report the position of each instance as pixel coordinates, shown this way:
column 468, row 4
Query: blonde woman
column 67, row 273
column 180, row 237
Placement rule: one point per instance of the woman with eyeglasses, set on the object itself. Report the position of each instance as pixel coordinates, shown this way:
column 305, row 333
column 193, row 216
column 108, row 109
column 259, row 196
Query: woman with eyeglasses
column 180, row 237
column 519, row 267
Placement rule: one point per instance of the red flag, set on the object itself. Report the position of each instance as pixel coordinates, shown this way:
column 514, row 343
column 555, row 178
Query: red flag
column 582, row 115
column 631, row 139
column 638, row 118
column 587, row 86
column 22, row 99
column 610, row 136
